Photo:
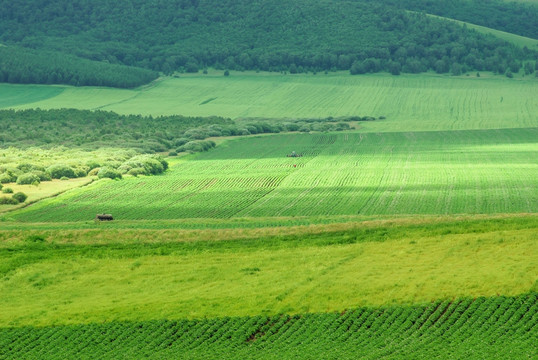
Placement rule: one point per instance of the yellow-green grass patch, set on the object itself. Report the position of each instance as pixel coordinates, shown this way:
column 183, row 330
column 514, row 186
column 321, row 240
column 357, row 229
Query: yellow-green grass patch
column 44, row 190
column 81, row 284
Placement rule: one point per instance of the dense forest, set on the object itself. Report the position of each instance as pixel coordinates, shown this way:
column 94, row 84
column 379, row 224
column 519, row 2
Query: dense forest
column 513, row 17
column 28, row 66
column 295, row 36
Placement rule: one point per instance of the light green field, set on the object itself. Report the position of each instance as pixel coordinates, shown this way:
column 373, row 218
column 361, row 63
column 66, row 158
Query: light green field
column 410, row 102
column 449, row 172
column 13, row 95
column 44, row 190
column 139, row 279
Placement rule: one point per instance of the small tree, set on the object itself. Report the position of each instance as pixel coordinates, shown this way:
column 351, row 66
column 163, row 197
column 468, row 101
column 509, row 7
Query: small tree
column 57, row 171
column 8, row 201
column 20, row 197
column 226, row 73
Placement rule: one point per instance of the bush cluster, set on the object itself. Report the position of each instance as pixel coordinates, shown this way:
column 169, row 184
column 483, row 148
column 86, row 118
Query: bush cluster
column 197, row 146
column 14, row 199
column 108, row 172
column 144, row 165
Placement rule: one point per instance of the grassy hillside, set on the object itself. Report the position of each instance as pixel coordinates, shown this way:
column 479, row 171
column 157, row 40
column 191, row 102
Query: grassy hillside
column 493, row 328
column 482, row 171
column 410, row 102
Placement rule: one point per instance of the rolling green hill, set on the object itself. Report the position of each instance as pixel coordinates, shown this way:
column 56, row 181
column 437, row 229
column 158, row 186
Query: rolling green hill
column 293, row 35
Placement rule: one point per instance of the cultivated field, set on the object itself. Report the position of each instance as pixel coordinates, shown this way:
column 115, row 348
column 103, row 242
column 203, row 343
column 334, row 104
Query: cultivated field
column 411, row 237
column 471, row 172
column 492, row 328
column 410, row 102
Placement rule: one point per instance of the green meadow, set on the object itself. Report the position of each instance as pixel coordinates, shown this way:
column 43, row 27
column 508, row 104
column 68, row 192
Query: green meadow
column 409, row 102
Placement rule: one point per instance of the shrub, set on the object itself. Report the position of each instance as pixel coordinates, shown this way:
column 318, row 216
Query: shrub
column 197, row 134
column 150, row 163
column 197, row 146
column 7, row 190
column 81, row 171
column 172, row 153
column 252, row 129
column 107, row 172
column 181, row 141
column 292, row 127
column 25, row 167
column 92, row 165
column 94, row 171
column 57, row 171
column 1, row 186
column 20, row 197
column 27, row 179
column 10, row 175
column 137, row 171
column 5, row 178
column 112, row 164
column 8, row 201
column 64, row 178
column 43, row 176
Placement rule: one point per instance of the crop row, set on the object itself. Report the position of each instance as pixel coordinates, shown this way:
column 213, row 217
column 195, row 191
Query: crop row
column 485, row 171
column 493, row 328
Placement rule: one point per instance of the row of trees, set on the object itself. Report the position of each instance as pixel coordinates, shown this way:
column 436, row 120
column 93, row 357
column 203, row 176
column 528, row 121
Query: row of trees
column 294, row 36
column 95, row 129
column 144, row 134
column 33, row 174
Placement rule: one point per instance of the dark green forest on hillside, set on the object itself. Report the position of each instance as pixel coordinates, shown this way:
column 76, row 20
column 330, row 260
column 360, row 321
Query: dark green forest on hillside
column 27, row 66
column 512, row 17
column 296, row 35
